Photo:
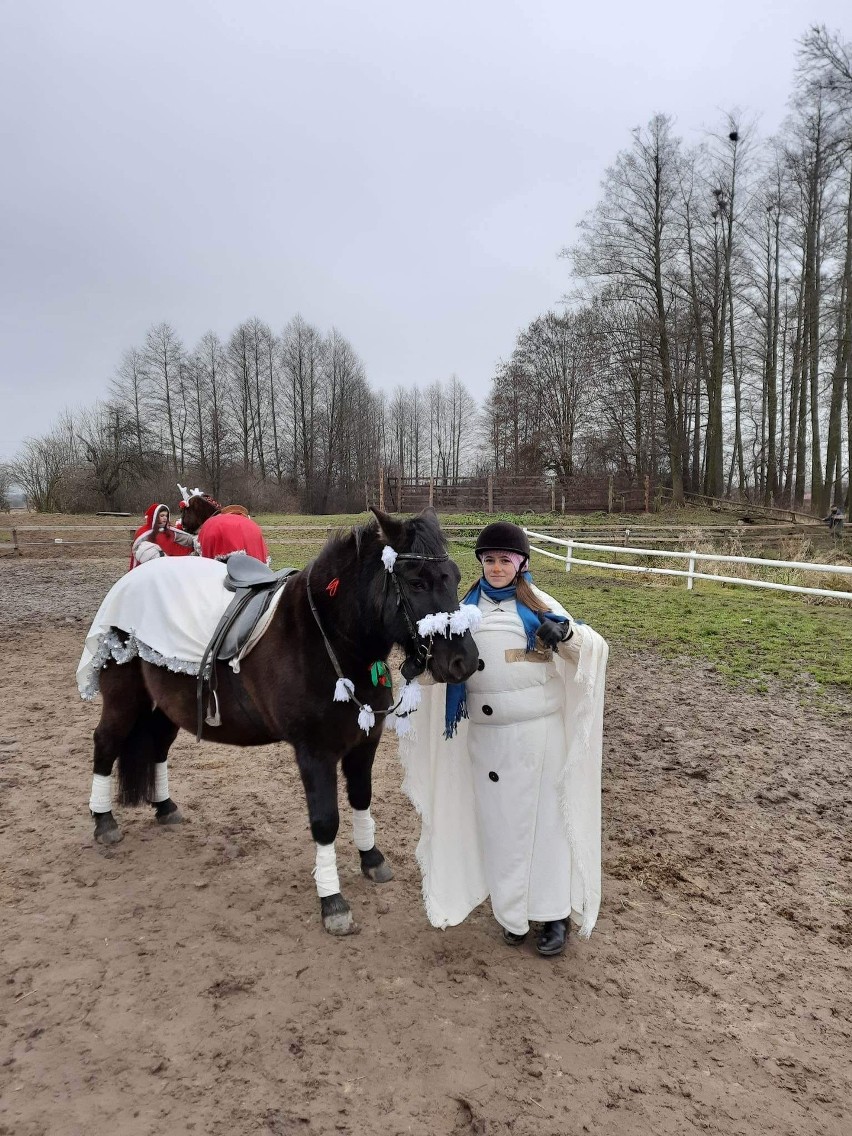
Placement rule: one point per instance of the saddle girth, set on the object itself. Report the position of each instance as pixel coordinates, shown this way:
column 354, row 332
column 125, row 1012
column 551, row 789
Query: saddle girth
column 254, row 587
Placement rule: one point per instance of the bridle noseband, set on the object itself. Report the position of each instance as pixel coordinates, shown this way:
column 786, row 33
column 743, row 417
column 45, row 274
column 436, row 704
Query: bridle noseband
column 422, row 644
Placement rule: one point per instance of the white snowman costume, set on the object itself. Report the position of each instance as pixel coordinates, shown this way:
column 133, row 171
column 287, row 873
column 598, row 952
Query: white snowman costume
column 511, row 804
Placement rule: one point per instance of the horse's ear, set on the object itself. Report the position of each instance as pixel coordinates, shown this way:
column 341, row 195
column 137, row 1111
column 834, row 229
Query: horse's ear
column 389, row 527
column 429, row 514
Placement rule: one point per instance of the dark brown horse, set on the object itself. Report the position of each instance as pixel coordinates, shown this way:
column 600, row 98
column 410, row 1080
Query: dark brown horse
column 337, row 618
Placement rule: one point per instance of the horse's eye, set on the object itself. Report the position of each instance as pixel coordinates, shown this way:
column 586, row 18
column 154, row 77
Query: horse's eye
column 417, row 586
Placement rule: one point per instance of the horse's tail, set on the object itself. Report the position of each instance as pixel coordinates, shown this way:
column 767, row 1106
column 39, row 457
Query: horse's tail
column 136, row 757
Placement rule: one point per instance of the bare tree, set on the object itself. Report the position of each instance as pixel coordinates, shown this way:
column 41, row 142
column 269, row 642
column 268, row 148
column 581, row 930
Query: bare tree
column 633, row 241
column 131, row 387
column 211, row 422
column 6, row 482
column 302, row 351
column 109, row 447
column 163, row 360
column 556, row 352
column 45, row 463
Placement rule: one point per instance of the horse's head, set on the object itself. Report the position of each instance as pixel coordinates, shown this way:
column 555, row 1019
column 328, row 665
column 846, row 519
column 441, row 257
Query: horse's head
column 196, row 510
column 420, row 580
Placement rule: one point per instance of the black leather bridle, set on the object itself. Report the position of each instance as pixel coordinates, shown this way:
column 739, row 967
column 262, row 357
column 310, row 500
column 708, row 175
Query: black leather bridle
column 422, row 645
column 415, row 663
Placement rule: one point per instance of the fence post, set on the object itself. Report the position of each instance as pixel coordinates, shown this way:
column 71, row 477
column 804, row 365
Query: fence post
column 647, row 493
column 689, row 579
column 609, row 496
column 15, row 541
column 432, row 491
column 490, row 493
column 382, row 488
column 553, row 496
column 569, row 551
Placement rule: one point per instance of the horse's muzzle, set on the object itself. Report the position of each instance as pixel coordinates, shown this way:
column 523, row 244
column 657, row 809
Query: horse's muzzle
column 454, row 658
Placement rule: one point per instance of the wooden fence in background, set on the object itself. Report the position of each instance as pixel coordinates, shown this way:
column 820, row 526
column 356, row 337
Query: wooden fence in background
column 499, row 493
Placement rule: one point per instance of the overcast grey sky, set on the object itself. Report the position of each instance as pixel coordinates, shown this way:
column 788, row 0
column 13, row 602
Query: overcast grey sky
column 406, row 173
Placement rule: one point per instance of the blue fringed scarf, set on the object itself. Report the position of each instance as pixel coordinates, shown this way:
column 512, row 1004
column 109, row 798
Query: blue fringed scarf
column 457, row 691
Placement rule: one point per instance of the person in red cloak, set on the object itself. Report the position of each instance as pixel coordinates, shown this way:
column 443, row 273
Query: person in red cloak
column 156, row 537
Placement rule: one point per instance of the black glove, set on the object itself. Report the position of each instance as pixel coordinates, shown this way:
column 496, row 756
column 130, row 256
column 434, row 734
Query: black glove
column 551, row 633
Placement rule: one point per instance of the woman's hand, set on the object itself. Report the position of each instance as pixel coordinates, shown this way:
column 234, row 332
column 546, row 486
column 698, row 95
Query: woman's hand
column 551, row 633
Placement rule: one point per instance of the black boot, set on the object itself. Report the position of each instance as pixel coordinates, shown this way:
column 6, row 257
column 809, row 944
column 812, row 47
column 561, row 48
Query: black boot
column 552, row 937
column 512, row 939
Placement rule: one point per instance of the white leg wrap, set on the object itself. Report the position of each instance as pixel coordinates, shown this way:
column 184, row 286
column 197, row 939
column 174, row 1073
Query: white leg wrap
column 161, row 782
column 101, row 798
column 363, row 829
column 325, row 871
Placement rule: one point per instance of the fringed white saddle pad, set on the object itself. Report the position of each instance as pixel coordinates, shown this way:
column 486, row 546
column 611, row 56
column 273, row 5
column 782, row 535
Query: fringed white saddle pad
column 169, row 608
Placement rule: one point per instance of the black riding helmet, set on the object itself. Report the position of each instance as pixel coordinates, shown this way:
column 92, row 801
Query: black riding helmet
column 502, row 536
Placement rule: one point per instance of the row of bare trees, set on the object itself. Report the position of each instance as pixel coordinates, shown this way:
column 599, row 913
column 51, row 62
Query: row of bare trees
column 710, row 337
column 276, row 421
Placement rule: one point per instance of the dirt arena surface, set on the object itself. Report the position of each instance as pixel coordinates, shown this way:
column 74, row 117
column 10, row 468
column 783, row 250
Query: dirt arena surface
column 181, row 981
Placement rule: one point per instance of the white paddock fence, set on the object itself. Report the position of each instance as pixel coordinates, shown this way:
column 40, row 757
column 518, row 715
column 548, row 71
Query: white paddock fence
column 567, row 558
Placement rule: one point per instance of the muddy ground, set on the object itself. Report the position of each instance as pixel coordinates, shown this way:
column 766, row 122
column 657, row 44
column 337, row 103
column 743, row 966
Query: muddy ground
column 181, row 981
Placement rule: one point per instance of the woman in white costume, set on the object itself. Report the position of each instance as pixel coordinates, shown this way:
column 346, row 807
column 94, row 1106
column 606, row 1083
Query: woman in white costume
column 510, row 800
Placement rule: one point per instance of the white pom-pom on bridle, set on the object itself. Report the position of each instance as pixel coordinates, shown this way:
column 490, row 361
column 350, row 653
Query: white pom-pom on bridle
column 389, row 557
column 467, row 618
column 343, row 690
column 366, row 718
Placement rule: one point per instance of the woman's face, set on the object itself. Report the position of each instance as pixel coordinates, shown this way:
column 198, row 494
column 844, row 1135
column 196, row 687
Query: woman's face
column 498, row 569
column 162, row 519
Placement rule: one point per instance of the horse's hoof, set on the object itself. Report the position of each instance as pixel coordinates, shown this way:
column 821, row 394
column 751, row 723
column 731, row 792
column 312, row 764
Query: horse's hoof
column 375, row 867
column 171, row 818
column 107, row 830
column 336, row 915
column 381, row 874
column 168, row 813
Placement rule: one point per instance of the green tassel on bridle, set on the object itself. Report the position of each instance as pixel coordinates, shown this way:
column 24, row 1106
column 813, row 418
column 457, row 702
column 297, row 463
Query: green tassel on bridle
column 380, row 675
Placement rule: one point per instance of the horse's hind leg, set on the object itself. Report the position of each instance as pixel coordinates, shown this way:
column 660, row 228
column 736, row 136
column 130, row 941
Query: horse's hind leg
column 358, row 771
column 124, row 696
column 163, row 733
column 319, row 777
column 139, row 735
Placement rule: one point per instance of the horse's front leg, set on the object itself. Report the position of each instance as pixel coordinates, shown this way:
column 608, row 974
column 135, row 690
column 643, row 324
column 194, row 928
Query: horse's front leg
column 319, row 777
column 358, row 771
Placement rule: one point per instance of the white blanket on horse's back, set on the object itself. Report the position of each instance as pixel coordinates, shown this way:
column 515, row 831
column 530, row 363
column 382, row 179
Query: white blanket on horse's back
column 169, row 607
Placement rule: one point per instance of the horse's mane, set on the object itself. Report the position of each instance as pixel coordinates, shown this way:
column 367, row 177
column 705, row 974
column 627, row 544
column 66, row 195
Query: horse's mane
column 346, row 552
column 346, row 547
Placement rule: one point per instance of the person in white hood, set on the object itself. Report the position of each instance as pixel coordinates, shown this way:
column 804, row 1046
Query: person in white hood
column 511, row 800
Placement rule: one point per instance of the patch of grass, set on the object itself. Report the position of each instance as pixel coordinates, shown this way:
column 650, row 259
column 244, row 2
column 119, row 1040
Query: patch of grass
column 687, row 515
column 748, row 636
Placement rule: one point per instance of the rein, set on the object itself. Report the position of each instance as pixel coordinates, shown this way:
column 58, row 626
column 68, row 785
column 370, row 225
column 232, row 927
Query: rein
column 333, row 658
column 422, row 644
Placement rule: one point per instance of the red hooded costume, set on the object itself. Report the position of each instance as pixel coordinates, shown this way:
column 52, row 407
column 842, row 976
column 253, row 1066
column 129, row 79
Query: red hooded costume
column 164, row 539
column 224, row 534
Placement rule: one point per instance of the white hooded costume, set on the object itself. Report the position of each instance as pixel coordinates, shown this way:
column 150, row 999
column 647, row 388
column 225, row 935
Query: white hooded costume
column 511, row 805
